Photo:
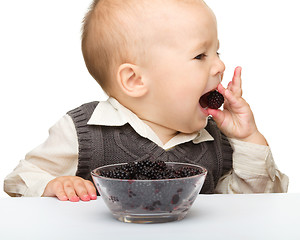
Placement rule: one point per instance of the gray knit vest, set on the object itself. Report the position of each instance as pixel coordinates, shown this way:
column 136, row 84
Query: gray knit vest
column 104, row 145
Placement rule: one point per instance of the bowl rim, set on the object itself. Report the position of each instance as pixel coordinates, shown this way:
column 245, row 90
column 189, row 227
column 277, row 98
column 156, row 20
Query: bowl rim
column 204, row 173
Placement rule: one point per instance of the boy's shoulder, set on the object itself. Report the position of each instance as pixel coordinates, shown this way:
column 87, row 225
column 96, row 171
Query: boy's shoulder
column 86, row 107
column 83, row 112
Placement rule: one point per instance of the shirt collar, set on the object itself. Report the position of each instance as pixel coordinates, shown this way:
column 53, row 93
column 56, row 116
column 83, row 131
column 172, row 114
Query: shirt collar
column 112, row 113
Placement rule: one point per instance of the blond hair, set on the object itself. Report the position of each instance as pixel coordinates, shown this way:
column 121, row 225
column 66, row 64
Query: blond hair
column 109, row 38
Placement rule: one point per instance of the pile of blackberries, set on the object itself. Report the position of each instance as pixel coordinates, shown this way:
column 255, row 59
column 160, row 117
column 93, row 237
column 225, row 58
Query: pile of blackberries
column 148, row 170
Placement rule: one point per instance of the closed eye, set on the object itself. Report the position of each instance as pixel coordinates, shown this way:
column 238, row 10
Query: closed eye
column 201, row 56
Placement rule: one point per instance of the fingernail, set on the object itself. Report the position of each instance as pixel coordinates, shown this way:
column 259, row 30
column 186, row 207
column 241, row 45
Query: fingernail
column 74, row 199
column 238, row 68
column 63, row 198
column 85, row 198
column 93, row 197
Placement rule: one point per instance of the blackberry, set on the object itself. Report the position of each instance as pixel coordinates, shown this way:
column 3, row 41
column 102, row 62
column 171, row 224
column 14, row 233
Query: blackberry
column 215, row 100
column 175, row 199
column 149, row 170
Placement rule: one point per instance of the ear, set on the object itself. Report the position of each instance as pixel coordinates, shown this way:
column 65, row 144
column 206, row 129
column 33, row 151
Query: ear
column 130, row 80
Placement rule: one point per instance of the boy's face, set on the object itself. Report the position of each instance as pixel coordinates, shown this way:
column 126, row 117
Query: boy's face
column 182, row 65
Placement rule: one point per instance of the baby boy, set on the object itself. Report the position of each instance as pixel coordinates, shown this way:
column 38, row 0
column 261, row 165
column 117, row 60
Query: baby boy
column 155, row 60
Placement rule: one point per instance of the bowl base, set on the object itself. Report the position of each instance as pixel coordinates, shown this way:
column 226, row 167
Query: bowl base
column 154, row 218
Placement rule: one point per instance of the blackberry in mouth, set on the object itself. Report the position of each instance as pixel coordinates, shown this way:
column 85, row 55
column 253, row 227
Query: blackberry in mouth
column 212, row 99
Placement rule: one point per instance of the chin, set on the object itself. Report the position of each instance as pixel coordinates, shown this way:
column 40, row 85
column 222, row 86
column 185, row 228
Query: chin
column 201, row 124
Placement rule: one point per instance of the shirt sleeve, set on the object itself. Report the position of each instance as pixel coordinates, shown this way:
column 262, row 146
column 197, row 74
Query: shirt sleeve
column 254, row 171
column 57, row 156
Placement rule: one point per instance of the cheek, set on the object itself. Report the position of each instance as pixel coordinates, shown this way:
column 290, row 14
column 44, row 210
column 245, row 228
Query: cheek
column 175, row 86
column 183, row 103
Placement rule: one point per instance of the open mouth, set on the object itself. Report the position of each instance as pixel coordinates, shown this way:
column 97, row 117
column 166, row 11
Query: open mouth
column 204, row 100
column 212, row 99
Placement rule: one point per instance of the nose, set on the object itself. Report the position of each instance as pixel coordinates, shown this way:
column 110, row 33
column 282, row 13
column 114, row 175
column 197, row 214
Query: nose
column 218, row 67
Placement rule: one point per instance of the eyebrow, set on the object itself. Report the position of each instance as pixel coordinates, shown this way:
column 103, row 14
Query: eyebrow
column 199, row 45
column 204, row 44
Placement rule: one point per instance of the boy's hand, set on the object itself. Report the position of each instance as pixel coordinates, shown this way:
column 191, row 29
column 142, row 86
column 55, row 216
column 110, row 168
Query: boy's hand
column 236, row 120
column 70, row 188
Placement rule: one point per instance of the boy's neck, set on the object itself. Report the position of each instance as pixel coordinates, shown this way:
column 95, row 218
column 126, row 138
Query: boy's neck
column 163, row 133
column 138, row 108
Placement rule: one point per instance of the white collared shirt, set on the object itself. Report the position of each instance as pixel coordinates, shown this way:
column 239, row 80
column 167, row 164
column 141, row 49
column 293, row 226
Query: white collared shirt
column 253, row 170
column 112, row 113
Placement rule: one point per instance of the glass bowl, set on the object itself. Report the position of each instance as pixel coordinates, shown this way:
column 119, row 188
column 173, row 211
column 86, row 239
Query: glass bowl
column 149, row 201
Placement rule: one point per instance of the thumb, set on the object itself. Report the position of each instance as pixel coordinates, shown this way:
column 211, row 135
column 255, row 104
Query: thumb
column 218, row 116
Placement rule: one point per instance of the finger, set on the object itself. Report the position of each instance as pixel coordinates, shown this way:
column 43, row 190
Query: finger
column 217, row 115
column 234, row 102
column 229, row 86
column 236, row 86
column 230, row 98
column 91, row 189
column 221, row 89
column 81, row 190
column 236, row 80
column 59, row 191
column 70, row 191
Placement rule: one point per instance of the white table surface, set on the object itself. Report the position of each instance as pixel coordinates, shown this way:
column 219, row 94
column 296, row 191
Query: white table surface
column 254, row 216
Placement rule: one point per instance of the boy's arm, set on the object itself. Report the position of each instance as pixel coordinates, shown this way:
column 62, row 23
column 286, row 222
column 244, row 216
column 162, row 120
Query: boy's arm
column 57, row 156
column 254, row 171
column 27, row 180
column 237, row 119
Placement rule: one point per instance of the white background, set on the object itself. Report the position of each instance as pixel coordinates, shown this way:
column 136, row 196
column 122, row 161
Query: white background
column 43, row 74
